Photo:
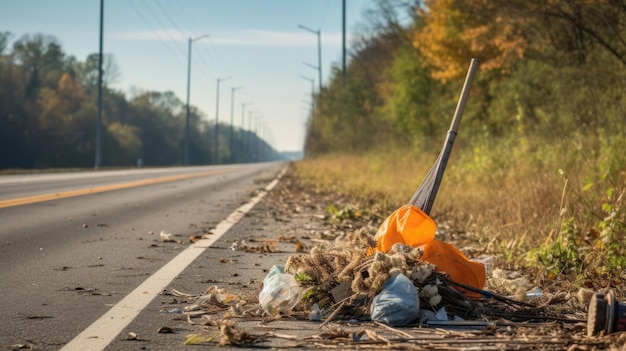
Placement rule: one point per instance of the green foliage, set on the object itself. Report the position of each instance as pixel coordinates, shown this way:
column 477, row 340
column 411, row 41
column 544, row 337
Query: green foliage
column 126, row 142
column 347, row 212
column 561, row 255
column 587, row 254
column 413, row 95
column 613, row 230
column 302, row 278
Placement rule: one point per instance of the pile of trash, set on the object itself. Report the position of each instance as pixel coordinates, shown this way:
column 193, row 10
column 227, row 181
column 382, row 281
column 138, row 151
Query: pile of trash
column 349, row 281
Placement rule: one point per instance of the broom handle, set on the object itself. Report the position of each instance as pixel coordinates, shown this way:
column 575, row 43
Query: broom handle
column 454, row 126
column 467, row 86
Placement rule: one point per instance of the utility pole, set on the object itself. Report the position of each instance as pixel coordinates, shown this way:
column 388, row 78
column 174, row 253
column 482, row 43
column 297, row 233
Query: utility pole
column 249, row 141
column 232, row 115
column 191, row 40
column 258, row 139
column 98, row 162
column 243, row 125
column 217, row 116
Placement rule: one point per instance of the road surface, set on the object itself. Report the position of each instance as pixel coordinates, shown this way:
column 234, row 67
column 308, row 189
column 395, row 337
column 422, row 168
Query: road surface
column 74, row 244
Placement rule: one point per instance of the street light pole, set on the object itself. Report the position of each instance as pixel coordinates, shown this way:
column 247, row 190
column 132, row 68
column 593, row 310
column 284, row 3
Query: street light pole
column 242, row 144
column 217, row 116
column 319, row 51
column 191, row 40
column 98, row 162
column 232, row 116
column 249, row 136
column 258, row 138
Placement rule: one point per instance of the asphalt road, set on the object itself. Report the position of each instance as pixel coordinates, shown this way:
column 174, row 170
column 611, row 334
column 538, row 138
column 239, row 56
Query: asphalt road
column 65, row 262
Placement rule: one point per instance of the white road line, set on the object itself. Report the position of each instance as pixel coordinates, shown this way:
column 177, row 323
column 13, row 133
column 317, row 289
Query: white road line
column 101, row 332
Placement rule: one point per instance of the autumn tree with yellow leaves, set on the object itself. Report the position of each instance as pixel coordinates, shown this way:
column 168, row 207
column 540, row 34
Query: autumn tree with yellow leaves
column 458, row 29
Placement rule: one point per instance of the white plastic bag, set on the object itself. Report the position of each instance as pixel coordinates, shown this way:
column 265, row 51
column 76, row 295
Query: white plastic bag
column 280, row 291
column 397, row 303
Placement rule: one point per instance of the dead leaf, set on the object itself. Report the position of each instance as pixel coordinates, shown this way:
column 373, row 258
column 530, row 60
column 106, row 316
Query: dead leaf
column 300, row 246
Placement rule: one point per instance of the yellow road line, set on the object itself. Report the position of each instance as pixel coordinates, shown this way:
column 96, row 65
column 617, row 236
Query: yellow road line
column 101, row 189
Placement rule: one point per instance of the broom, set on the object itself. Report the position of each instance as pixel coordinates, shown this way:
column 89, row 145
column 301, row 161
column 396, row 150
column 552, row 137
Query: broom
column 425, row 195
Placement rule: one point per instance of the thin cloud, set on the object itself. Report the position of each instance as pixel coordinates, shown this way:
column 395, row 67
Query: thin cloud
column 252, row 37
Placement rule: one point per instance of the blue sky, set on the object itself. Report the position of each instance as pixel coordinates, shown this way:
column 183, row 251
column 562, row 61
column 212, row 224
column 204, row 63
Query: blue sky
column 256, row 42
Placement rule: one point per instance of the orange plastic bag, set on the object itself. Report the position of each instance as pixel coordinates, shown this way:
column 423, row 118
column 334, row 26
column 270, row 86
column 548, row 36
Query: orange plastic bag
column 451, row 261
column 407, row 225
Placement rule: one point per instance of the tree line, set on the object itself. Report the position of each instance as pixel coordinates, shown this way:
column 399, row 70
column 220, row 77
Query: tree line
column 48, row 109
column 551, row 84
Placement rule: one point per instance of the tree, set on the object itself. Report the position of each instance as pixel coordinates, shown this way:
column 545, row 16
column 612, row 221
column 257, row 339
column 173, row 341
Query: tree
column 4, row 41
column 580, row 26
column 110, row 71
column 41, row 60
column 457, row 30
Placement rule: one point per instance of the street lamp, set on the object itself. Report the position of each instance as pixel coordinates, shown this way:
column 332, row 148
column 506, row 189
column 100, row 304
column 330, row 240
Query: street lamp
column 319, row 51
column 191, row 40
column 217, row 116
column 243, row 125
column 258, row 138
column 98, row 162
column 232, row 115
column 248, row 137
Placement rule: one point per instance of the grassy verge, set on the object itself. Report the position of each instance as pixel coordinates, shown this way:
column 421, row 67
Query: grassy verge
column 528, row 206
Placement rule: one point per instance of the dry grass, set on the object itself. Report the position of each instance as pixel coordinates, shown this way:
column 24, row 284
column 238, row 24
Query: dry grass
column 514, row 208
column 387, row 180
column 506, row 206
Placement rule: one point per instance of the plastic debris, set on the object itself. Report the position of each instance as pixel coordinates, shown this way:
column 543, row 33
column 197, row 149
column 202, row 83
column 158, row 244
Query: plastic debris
column 280, row 293
column 166, row 237
column 239, row 245
column 397, row 303
column 407, row 225
column 317, row 314
column 533, row 293
column 429, row 316
column 213, row 296
column 487, row 261
column 450, row 260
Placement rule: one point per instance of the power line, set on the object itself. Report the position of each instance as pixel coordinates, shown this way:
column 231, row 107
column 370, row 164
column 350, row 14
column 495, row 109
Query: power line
column 160, row 24
column 172, row 52
column 201, row 58
column 180, row 14
column 178, row 29
column 204, row 53
column 158, row 2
